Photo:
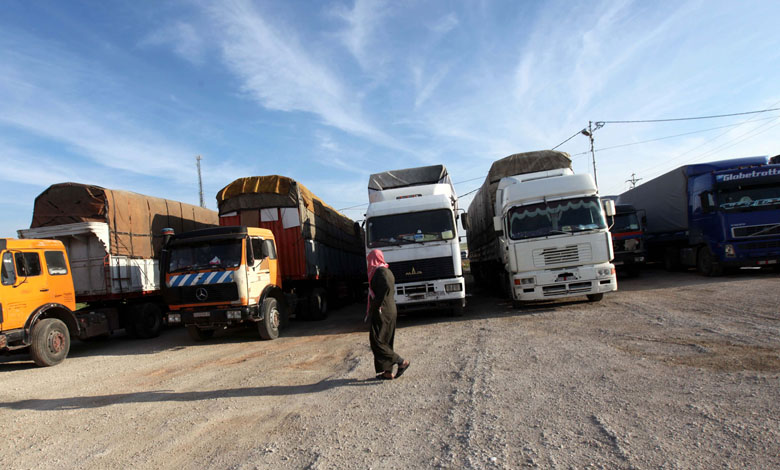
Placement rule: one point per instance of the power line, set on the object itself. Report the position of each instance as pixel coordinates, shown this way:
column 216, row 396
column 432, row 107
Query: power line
column 573, row 136
column 691, row 118
column 704, row 143
column 673, row 136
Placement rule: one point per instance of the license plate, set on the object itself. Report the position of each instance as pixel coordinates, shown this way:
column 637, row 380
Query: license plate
column 201, row 314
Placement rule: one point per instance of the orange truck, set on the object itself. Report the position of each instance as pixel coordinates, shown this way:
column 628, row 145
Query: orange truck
column 280, row 252
column 224, row 276
column 37, row 301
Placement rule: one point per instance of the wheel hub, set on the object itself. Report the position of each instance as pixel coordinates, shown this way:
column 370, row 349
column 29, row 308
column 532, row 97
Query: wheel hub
column 274, row 318
column 56, row 341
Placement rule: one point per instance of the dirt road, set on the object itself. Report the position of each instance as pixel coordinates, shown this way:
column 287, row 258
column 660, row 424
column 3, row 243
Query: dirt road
column 673, row 371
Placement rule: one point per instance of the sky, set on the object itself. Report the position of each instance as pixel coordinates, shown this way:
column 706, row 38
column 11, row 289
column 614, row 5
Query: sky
column 125, row 95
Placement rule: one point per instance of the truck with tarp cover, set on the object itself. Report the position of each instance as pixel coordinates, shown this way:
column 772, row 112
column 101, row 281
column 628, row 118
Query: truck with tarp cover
column 318, row 250
column 412, row 217
column 113, row 240
column 539, row 231
column 715, row 215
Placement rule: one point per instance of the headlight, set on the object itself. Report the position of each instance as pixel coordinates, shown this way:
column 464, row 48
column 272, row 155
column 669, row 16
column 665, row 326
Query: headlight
column 606, row 271
column 174, row 318
column 528, row 281
column 234, row 314
column 453, row 287
column 729, row 251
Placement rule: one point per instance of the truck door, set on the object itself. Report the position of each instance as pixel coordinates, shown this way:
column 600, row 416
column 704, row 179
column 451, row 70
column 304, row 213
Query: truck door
column 259, row 273
column 28, row 291
column 60, row 284
column 7, row 281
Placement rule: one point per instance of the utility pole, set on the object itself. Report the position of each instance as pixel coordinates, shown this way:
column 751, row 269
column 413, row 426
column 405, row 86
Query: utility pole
column 589, row 133
column 634, row 180
column 200, row 182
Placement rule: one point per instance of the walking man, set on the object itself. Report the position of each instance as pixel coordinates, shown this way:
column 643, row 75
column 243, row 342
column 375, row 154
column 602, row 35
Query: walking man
column 382, row 312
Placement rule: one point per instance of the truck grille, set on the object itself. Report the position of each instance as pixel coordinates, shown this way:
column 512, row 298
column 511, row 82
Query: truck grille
column 563, row 289
column 756, row 231
column 215, row 293
column 422, row 269
column 571, row 254
column 760, row 245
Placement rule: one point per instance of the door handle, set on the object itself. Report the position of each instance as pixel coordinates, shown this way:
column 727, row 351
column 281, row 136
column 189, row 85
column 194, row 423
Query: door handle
column 44, row 290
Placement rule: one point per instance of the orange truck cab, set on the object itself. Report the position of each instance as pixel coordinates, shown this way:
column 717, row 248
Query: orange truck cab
column 223, row 276
column 37, row 300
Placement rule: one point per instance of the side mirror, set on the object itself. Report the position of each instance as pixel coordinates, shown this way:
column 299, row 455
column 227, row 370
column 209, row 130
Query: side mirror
column 707, row 201
column 464, row 220
column 498, row 225
column 609, row 207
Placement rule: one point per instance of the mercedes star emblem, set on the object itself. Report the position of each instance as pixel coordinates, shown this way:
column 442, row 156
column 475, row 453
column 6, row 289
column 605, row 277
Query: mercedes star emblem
column 201, row 294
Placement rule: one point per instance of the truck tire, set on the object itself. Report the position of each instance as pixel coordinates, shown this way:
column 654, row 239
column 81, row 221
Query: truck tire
column 269, row 326
column 147, row 320
column 595, row 297
column 199, row 334
column 672, row 259
column 318, row 304
column 706, row 263
column 50, row 342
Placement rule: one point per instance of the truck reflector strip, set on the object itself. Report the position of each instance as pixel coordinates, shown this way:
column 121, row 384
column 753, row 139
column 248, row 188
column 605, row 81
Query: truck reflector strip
column 199, row 279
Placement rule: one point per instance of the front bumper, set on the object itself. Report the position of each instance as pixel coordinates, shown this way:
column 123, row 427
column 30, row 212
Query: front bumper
column 629, row 258
column 562, row 283
column 430, row 295
column 215, row 317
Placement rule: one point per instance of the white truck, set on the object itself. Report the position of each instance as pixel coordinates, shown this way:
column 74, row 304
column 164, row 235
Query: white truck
column 539, row 231
column 412, row 217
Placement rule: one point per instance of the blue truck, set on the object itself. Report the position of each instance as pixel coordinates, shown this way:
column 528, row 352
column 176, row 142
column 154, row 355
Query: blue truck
column 713, row 216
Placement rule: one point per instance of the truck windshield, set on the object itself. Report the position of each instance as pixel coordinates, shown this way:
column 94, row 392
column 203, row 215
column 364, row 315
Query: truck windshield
column 626, row 222
column 410, row 227
column 205, row 255
column 746, row 198
column 552, row 218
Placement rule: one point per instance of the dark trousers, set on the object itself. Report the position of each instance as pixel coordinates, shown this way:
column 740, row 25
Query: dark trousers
column 381, row 338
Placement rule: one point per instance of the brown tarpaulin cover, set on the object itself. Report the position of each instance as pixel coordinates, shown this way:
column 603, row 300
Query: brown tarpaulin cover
column 319, row 221
column 135, row 221
column 481, row 236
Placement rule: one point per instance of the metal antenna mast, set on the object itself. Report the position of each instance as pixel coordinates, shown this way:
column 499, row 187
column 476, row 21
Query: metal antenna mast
column 634, row 180
column 200, row 182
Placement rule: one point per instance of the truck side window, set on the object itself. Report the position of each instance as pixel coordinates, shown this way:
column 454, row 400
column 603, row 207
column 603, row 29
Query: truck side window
column 55, row 263
column 28, row 264
column 257, row 249
column 8, row 274
column 269, row 249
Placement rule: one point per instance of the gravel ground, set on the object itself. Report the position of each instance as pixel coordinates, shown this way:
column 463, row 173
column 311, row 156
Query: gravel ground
column 673, row 371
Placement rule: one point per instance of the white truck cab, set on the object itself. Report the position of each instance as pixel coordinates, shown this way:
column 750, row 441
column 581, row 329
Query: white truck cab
column 553, row 236
column 412, row 218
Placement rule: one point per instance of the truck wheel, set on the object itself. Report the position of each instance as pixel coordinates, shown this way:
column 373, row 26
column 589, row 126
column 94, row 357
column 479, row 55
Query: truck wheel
column 318, row 304
column 199, row 334
column 671, row 259
column 269, row 326
column 706, row 264
column 595, row 297
column 50, row 342
column 147, row 320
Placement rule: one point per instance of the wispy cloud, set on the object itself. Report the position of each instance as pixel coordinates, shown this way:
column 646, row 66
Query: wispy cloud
column 182, row 37
column 53, row 95
column 281, row 74
column 363, row 22
column 445, row 24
